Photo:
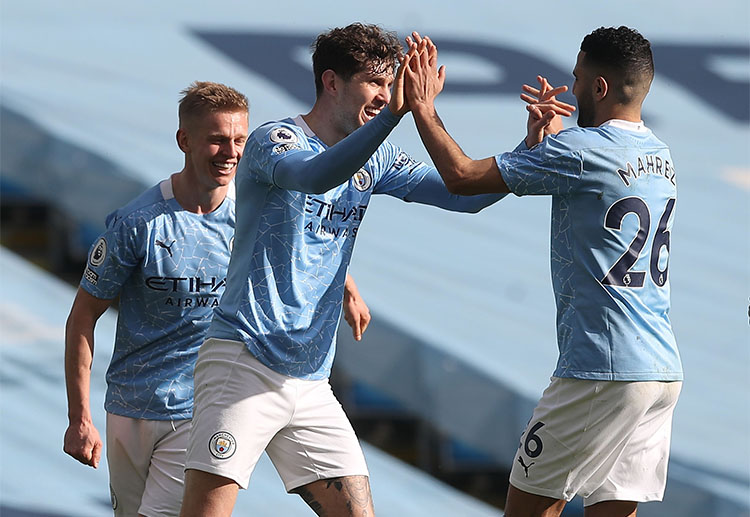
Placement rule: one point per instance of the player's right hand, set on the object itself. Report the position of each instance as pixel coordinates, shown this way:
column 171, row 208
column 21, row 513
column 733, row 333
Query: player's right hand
column 82, row 442
column 398, row 104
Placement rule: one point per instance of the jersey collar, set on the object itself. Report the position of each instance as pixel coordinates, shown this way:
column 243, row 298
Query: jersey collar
column 167, row 192
column 166, row 188
column 299, row 121
column 638, row 127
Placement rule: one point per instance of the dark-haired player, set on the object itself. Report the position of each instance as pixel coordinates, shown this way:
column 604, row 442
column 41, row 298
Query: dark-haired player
column 304, row 185
column 602, row 428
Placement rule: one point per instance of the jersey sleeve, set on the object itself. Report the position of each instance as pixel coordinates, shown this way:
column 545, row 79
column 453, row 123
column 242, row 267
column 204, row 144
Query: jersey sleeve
column 113, row 257
column 418, row 182
column 401, row 173
column 269, row 144
column 314, row 172
column 553, row 167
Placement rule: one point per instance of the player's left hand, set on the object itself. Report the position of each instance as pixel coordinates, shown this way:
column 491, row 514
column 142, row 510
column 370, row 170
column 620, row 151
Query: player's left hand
column 545, row 111
column 356, row 311
column 423, row 79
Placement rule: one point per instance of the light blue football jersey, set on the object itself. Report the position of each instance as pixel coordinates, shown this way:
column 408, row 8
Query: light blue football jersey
column 613, row 191
column 169, row 267
column 292, row 250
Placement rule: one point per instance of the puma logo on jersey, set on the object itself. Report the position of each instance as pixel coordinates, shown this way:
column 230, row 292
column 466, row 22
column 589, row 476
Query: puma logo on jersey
column 168, row 248
column 525, row 467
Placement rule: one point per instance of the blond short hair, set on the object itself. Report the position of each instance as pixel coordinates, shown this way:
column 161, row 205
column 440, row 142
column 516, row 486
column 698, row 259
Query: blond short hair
column 203, row 97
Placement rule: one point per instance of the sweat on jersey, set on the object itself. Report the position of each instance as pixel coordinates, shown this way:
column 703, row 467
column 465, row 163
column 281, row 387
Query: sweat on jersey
column 613, row 191
column 286, row 276
column 169, row 267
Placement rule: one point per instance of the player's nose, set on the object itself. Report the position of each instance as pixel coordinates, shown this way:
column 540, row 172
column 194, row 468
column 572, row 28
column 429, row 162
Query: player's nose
column 384, row 94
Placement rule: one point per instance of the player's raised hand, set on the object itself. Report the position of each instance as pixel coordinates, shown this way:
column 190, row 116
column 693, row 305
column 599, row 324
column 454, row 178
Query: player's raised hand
column 398, row 104
column 424, row 80
column 424, row 45
column 82, row 442
column 545, row 110
column 545, row 96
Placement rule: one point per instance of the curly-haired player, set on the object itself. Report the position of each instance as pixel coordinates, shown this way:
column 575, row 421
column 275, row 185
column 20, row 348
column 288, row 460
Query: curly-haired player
column 304, row 185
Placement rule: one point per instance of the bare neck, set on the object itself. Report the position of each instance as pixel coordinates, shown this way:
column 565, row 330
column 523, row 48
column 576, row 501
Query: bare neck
column 619, row 112
column 322, row 123
column 194, row 197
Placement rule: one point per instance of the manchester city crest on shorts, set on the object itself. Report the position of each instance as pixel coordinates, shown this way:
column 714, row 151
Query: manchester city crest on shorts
column 282, row 135
column 99, row 253
column 222, row 445
column 362, row 180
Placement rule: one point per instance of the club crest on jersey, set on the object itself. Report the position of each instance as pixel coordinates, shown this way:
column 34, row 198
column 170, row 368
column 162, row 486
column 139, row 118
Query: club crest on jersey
column 222, row 445
column 362, row 180
column 99, row 253
column 282, row 135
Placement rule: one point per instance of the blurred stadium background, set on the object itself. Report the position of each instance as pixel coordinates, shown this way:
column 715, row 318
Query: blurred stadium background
column 462, row 341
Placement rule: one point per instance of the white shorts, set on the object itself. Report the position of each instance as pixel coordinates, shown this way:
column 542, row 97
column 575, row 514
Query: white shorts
column 146, row 460
column 243, row 407
column 602, row 440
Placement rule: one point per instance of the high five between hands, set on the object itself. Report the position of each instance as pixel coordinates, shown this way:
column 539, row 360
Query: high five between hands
column 419, row 80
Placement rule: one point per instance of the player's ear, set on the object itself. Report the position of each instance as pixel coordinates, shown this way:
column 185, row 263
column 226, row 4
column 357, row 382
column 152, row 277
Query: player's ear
column 330, row 81
column 182, row 140
column 601, row 88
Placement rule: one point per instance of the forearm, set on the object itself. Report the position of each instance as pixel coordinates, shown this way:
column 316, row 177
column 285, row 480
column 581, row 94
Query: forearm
column 79, row 347
column 350, row 288
column 81, row 440
column 432, row 191
column 461, row 174
column 351, row 291
column 319, row 173
column 79, row 353
column 467, row 203
column 447, row 156
column 356, row 312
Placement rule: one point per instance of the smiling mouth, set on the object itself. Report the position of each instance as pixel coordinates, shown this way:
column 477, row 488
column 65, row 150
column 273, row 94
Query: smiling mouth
column 371, row 113
column 225, row 167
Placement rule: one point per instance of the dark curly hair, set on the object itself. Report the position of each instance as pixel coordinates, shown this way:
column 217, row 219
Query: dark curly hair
column 352, row 49
column 623, row 52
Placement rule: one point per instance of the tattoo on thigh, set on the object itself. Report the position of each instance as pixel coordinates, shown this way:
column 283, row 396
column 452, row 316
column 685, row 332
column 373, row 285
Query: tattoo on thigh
column 336, row 482
column 357, row 488
column 355, row 491
column 307, row 496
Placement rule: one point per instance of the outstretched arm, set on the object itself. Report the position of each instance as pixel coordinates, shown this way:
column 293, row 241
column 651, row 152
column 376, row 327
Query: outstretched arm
column 461, row 174
column 82, row 440
column 316, row 173
column 431, row 190
column 356, row 312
